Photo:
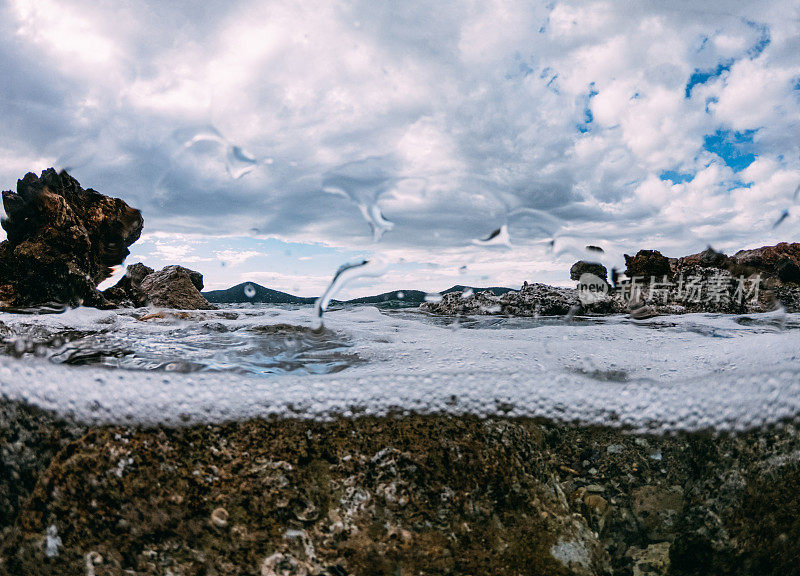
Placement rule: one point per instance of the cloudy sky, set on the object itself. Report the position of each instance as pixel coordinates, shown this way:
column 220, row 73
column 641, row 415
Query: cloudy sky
column 274, row 141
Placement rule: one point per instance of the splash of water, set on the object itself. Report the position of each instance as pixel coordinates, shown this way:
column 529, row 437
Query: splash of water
column 344, row 275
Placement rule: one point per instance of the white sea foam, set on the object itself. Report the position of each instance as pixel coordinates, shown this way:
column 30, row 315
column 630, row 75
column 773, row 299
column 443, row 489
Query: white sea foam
column 685, row 372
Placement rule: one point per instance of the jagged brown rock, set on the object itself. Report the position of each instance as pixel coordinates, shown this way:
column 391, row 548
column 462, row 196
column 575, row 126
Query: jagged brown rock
column 128, row 291
column 175, row 287
column 62, row 241
column 768, row 260
column 583, row 267
column 647, row 263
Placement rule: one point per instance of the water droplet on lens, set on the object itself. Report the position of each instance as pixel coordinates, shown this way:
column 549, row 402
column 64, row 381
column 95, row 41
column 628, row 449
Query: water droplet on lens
column 249, row 290
column 784, row 215
column 498, row 237
column 239, row 162
column 433, row 297
column 364, row 182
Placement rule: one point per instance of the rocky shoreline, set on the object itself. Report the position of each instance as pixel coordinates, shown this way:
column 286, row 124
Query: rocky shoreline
column 430, row 494
column 750, row 281
column 63, row 242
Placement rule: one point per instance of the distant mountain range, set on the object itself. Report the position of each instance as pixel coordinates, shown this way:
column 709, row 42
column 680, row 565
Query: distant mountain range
column 252, row 292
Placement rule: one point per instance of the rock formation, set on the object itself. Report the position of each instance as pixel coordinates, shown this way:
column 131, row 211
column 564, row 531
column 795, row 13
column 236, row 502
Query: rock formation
column 582, row 267
column 62, row 241
column 176, row 287
column 647, row 263
column 128, row 291
column 709, row 281
column 530, row 300
column 172, row 287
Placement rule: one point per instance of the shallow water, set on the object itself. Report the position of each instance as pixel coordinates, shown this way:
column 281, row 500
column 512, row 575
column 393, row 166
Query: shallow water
column 677, row 372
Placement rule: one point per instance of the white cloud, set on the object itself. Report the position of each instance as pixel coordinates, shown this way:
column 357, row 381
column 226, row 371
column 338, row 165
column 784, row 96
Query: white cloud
column 574, row 108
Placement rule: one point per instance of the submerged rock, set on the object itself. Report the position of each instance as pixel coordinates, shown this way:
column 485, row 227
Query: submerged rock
column 175, row 287
column 62, row 241
column 432, row 494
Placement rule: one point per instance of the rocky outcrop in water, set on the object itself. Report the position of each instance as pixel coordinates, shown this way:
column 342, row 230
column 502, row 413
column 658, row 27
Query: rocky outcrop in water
column 62, row 241
column 175, row 287
column 750, row 281
column 530, row 300
column 171, row 287
column 399, row 495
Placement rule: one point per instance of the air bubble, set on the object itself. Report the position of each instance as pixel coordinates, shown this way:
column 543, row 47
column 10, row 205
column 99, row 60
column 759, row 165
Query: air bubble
column 249, row 290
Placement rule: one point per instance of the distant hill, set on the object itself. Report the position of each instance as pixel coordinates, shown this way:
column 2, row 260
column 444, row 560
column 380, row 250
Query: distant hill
column 496, row 290
column 252, row 292
column 259, row 294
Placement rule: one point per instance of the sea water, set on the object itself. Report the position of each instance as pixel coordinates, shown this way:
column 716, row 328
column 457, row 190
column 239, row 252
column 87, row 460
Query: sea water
column 685, row 372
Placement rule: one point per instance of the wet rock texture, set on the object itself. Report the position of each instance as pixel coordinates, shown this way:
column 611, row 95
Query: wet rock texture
column 582, row 267
column 410, row 495
column 171, row 287
column 62, row 241
column 176, row 287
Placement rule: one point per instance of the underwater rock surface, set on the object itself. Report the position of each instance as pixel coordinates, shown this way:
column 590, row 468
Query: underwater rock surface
column 62, row 241
column 403, row 495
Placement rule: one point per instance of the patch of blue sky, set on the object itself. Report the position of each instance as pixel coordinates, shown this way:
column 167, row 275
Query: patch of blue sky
column 588, row 117
column 703, row 76
column 736, row 149
column 676, row 177
column 763, row 41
